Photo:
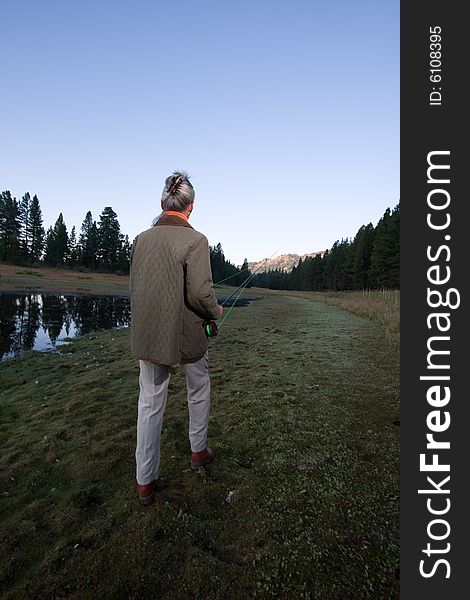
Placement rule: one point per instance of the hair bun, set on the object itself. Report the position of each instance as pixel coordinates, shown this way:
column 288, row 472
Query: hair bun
column 174, row 181
column 178, row 193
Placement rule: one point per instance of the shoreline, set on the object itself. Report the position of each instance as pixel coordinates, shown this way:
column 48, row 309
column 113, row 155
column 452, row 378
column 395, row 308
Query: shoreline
column 43, row 280
column 63, row 292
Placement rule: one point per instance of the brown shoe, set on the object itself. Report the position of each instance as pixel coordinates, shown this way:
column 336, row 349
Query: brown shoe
column 199, row 459
column 147, row 492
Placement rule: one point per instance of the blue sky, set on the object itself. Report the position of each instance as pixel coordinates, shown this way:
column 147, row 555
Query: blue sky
column 285, row 114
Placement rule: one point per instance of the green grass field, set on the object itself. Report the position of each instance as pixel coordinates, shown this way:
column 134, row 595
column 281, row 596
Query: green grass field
column 305, row 424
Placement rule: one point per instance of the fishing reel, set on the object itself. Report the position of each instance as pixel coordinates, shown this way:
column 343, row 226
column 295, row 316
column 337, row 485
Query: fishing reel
column 210, row 328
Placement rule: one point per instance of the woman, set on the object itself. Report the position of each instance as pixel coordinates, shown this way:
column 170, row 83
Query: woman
column 171, row 296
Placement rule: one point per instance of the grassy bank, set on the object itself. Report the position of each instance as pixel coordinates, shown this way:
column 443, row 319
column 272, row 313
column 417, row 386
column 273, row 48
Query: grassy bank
column 14, row 278
column 305, row 423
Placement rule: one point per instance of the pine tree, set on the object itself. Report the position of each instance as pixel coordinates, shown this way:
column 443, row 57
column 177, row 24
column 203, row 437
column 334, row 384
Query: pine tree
column 348, row 265
column 88, row 242
column 217, row 262
column 385, row 259
column 296, row 276
column 363, row 244
column 338, row 266
column 223, row 269
column 276, row 279
column 73, row 249
column 62, row 240
column 57, row 244
column 35, row 230
column 325, row 283
column 49, row 248
column 316, row 273
column 25, row 239
column 9, row 228
column 306, row 274
column 109, row 239
column 124, row 255
column 245, row 273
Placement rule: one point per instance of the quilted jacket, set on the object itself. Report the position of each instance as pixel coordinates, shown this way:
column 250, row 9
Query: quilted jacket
column 171, row 292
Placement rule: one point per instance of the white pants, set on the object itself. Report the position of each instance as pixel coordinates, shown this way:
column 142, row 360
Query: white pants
column 153, row 382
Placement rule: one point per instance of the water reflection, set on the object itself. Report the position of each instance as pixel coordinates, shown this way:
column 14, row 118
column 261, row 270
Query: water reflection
column 40, row 321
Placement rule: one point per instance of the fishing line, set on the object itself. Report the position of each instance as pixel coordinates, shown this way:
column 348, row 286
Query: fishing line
column 248, row 279
column 230, row 309
column 230, row 276
column 211, row 329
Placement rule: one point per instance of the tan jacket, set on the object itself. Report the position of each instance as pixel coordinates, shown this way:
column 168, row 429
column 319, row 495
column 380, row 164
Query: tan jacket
column 171, row 292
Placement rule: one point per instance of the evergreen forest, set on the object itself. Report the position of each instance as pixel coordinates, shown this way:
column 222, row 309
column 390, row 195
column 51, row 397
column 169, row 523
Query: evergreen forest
column 98, row 246
column 370, row 260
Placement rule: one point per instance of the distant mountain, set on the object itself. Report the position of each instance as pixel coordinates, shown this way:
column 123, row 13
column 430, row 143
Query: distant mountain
column 286, row 262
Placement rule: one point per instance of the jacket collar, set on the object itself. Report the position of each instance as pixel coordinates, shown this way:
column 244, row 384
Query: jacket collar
column 172, row 219
column 176, row 214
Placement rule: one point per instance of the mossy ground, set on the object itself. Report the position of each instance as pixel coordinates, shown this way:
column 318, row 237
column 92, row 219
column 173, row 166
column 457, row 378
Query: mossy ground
column 305, row 424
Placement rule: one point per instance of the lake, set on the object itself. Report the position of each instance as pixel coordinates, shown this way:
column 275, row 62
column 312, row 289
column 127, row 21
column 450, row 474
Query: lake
column 42, row 321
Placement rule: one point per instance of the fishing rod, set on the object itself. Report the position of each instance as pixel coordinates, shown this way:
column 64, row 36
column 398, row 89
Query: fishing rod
column 210, row 327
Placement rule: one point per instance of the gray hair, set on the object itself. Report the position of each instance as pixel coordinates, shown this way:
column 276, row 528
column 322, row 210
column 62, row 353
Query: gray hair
column 178, row 192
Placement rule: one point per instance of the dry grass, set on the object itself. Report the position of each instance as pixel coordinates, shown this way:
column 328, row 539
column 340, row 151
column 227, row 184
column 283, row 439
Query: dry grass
column 380, row 306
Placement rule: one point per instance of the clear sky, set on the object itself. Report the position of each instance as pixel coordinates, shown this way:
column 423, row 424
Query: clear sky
column 285, row 114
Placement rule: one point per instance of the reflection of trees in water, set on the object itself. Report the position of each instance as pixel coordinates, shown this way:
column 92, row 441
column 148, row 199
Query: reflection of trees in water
column 29, row 316
column 8, row 312
column 54, row 312
column 90, row 313
column 22, row 316
column 19, row 322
